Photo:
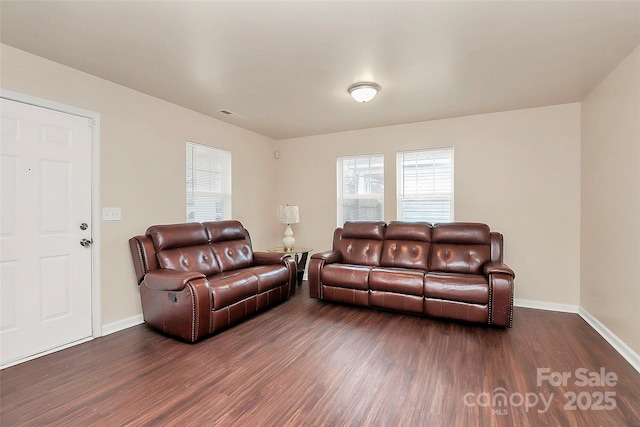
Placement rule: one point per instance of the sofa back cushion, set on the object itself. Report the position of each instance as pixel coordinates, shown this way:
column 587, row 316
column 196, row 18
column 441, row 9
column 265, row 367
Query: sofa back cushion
column 406, row 245
column 183, row 247
column 230, row 243
column 360, row 243
column 460, row 247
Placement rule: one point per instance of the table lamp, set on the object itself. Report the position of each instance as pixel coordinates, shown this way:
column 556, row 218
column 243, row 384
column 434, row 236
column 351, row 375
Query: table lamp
column 288, row 215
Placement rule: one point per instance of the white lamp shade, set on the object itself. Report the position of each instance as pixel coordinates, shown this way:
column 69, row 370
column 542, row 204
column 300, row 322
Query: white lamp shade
column 289, row 214
column 364, row 92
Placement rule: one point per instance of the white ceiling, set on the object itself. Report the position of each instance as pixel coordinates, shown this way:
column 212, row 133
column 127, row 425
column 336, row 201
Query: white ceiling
column 284, row 67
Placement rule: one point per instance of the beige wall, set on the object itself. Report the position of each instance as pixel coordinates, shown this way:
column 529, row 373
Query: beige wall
column 562, row 183
column 610, row 236
column 518, row 171
column 143, row 164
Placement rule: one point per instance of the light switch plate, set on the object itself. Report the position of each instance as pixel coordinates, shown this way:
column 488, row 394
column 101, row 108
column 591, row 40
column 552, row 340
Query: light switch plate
column 111, row 214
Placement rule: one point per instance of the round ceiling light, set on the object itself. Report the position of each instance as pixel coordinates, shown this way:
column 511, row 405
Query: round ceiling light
column 363, row 92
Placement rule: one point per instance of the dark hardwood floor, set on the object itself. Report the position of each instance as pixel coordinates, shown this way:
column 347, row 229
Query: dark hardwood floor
column 308, row 363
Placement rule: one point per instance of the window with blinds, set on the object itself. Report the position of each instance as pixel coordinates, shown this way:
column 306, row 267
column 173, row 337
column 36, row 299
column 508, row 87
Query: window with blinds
column 208, row 183
column 360, row 188
column 425, row 185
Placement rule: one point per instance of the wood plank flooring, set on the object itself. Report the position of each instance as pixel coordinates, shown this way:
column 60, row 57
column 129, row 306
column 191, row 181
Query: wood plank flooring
column 309, row 363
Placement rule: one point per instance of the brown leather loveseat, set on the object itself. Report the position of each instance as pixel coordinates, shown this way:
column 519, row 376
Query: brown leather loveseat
column 451, row 270
column 196, row 279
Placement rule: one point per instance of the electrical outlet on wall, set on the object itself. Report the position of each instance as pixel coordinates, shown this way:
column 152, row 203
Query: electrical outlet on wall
column 111, row 214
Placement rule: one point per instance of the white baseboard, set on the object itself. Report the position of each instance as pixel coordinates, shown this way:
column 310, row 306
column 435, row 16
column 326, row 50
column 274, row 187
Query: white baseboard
column 620, row 346
column 625, row 351
column 543, row 305
column 122, row 324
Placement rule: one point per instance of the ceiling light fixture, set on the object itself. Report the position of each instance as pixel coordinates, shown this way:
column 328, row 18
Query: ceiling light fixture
column 363, row 92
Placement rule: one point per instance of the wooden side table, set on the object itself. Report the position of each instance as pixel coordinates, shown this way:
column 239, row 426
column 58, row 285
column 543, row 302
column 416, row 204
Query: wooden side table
column 300, row 255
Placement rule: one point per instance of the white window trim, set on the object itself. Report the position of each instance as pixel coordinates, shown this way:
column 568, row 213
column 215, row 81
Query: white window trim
column 225, row 184
column 400, row 182
column 341, row 196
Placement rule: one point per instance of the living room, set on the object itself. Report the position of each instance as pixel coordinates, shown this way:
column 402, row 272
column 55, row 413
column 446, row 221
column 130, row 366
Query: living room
column 560, row 181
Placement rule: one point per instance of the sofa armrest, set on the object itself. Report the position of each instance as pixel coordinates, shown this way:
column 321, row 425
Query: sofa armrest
column 498, row 267
column 184, row 314
column 170, row 280
column 143, row 253
column 177, row 303
column 501, row 299
column 274, row 258
column 329, row 257
column 266, row 258
column 316, row 263
column 500, row 278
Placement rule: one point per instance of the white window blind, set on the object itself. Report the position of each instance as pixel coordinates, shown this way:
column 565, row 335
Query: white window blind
column 425, row 185
column 208, row 183
column 360, row 188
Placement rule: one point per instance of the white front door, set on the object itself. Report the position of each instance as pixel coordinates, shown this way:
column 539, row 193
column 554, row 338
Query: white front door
column 45, row 230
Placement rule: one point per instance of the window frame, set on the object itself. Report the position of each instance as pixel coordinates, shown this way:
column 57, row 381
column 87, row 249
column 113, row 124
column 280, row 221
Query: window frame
column 224, row 181
column 425, row 196
column 378, row 196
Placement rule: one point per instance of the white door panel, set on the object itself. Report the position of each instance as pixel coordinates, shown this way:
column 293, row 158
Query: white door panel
column 46, row 195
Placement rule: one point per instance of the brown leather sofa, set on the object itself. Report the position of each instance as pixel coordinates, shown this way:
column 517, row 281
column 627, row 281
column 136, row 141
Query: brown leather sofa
column 453, row 270
column 196, row 279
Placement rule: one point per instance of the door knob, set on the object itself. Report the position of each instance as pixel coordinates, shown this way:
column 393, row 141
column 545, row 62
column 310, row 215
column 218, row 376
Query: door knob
column 85, row 242
column 83, row 226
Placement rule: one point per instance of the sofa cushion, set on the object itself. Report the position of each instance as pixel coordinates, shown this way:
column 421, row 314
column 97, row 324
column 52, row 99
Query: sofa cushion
column 465, row 233
column 471, row 288
column 183, row 247
column 415, row 231
column 233, row 254
column 360, row 251
column 458, row 258
column 399, row 280
column 360, row 243
column 221, row 231
column 406, row 245
column 230, row 287
column 177, row 235
column 230, row 243
column 346, row 276
column 269, row 276
column 363, row 230
column 460, row 248
column 189, row 258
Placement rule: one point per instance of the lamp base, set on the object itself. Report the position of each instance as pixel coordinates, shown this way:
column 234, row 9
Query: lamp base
column 288, row 241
